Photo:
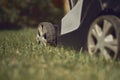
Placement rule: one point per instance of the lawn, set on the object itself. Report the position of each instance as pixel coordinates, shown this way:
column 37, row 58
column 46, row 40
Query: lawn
column 21, row 58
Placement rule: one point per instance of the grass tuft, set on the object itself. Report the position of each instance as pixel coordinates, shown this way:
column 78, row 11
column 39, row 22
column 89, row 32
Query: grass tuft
column 21, row 58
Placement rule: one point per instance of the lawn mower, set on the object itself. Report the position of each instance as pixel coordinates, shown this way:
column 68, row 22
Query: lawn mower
column 93, row 25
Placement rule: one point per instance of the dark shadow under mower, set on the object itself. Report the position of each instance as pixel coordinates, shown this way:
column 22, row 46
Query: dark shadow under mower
column 91, row 24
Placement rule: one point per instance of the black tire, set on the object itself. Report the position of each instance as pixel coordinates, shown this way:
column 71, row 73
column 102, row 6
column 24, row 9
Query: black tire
column 46, row 34
column 104, row 37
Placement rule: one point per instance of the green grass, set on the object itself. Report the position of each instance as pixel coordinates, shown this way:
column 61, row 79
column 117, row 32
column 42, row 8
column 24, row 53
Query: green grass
column 21, row 58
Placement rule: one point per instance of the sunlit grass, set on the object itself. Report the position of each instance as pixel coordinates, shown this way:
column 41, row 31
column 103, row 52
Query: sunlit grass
column 21, row 58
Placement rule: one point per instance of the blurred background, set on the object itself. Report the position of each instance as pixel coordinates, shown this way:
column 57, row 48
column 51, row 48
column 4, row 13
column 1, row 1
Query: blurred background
column 15, row 14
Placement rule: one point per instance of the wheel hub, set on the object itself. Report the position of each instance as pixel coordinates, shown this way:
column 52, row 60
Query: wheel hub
column 102, row 39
